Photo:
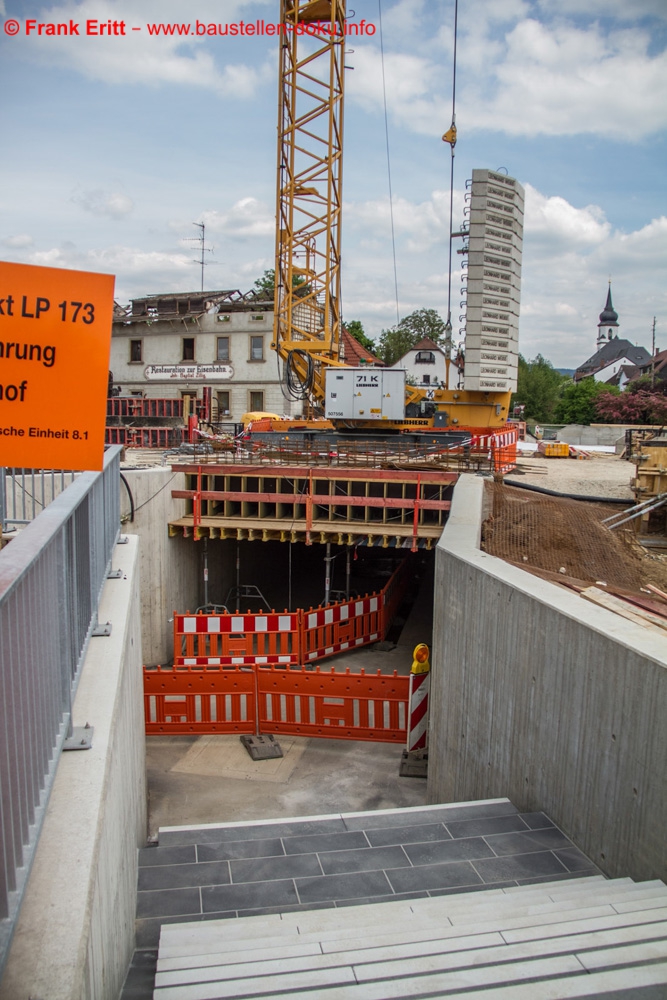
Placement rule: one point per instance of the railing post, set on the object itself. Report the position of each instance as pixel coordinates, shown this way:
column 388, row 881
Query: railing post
column 3, row 499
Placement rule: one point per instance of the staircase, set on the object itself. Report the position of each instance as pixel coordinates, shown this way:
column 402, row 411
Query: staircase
column 588, row 937
column 471, row 899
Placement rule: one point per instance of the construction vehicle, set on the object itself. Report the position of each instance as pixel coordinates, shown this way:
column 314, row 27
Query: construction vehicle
column 307, row 305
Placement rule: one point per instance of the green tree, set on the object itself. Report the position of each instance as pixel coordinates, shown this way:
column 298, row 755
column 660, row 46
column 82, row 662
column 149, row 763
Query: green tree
column 539, row 387
column 578, row 402
column 265, row 285
column 398, row 340
column 355, row 327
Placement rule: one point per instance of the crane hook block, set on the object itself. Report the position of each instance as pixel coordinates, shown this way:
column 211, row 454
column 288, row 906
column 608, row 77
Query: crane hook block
column 450, row 136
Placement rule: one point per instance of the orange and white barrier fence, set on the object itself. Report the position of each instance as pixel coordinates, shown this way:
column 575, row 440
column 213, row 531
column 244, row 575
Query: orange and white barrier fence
column 340, row 627
column 237, row 640
column 184, row 699
column 303, row 702
column 290, row 637
column 499, row 446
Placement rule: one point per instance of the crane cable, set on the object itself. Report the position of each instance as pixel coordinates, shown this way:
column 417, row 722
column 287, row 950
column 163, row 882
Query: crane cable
column 299, row 386
column 450, row 137
column 386, row 133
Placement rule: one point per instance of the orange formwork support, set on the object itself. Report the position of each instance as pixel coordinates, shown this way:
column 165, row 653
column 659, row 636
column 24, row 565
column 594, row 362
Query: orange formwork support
column 349, row 706
column 182, row 700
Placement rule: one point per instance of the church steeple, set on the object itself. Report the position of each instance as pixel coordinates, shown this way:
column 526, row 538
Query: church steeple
column 608, row 325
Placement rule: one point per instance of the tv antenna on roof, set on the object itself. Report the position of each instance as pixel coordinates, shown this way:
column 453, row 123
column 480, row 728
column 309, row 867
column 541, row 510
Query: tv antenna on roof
column 204, row 249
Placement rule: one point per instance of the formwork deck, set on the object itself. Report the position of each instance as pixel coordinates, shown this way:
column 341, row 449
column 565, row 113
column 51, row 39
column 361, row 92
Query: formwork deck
column 387, row 507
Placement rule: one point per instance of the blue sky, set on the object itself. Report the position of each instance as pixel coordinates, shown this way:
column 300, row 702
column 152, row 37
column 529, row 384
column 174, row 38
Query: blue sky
column 113, row 147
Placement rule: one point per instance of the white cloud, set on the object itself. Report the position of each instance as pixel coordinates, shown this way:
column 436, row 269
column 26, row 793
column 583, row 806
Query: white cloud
column 620, row 9
column 569, row 254
column 112, row 204
column 563, row 80
column 247, row 218
column 522, row 76
column 18, row 242
column 555, row 220
column 139, row 57
column 410, row 84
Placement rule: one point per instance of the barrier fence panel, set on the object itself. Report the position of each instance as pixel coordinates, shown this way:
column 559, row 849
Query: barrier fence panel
column 334, row 705
column 182, row 699
column 302, row 702
column 229, row 667
column 500, row 447
column 203, row 639
column 331, row 630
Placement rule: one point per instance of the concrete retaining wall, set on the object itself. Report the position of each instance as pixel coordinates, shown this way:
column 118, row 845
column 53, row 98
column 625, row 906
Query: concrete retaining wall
column 75, row 934
column 553, row 702
column 594, row 434
column 171, row 568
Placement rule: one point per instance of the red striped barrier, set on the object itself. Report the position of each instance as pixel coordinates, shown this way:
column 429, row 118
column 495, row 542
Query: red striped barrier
column 335, row 629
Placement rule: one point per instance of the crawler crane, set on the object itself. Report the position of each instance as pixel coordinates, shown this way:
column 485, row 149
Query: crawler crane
column 307, row 305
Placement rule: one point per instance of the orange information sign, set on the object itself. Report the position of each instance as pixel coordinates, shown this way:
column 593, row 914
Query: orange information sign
column 55, row 334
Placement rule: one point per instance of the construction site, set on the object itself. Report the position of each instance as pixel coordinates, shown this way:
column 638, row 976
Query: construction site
column 367, row 653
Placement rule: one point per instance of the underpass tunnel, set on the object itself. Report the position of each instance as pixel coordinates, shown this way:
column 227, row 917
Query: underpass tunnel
column 293, row 575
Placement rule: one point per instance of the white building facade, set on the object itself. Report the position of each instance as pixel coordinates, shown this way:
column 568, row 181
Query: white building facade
column 172, row 346
column 425, row 365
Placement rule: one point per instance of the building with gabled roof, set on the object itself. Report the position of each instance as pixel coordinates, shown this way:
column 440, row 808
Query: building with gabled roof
column 614, row 354
column 425, row 364
column 355, row 354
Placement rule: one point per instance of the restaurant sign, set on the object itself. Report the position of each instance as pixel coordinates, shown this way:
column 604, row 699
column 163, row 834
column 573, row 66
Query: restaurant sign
column 188, row 373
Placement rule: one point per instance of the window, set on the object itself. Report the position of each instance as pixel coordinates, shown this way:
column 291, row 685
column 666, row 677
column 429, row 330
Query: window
column 224, row 318
column 188, row 348
column 222, row 353
column 257, row 318
column 257, row 348
column 425, row 358
column 256, row 402
column 136, row 350
column 223, row 404
column 426, row 379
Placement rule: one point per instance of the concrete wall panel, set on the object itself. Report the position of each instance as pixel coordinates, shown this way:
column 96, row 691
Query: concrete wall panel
column 548, row 700
column 171, row 568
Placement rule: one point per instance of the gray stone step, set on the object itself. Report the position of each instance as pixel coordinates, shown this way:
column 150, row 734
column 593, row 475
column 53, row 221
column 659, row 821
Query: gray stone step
column 488, row 944
column 414, row 921
column 644, row 943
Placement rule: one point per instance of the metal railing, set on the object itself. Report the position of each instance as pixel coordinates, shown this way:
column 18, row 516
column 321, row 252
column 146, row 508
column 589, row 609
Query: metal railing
column 24, row 493
column 51, row 578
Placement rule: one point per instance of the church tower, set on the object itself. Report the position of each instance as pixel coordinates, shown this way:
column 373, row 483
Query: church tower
column 608, row 325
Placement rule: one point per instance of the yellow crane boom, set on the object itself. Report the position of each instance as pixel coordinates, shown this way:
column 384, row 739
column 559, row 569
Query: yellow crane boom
column 307, row 311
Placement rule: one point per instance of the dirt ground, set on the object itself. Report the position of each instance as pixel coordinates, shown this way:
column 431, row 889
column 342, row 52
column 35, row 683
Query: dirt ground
column 562, row 536
column 602, row 474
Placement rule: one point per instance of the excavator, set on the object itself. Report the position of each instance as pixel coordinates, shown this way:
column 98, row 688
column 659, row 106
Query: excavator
column 307, row 334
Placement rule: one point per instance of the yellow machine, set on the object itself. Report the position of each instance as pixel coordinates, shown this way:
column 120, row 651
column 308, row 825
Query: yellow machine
column 307, row 324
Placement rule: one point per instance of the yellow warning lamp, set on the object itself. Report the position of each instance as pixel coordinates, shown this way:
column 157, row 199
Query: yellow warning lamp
column 420, row 664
